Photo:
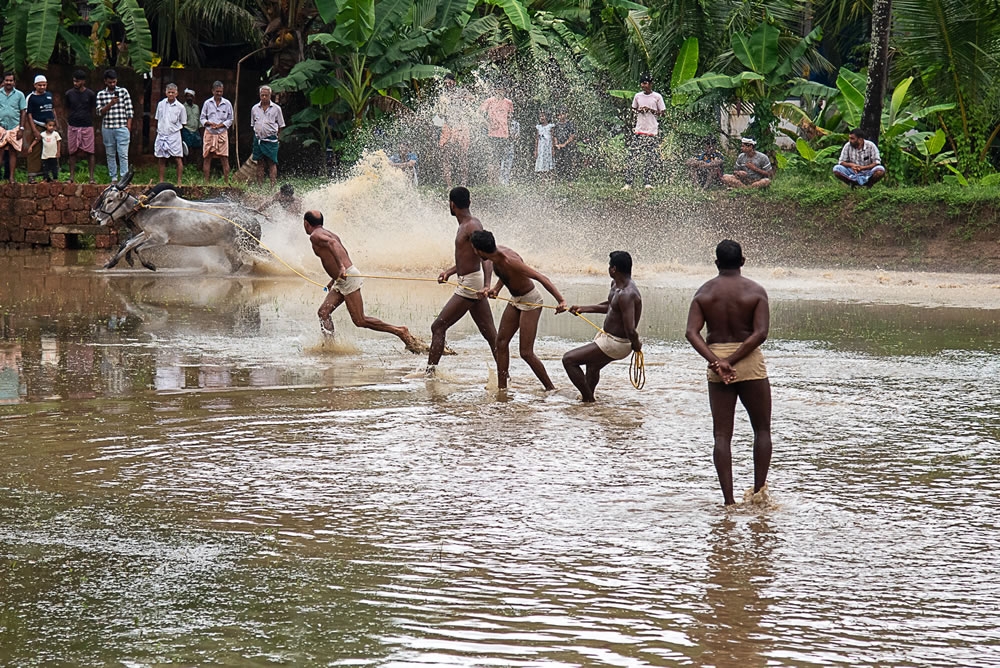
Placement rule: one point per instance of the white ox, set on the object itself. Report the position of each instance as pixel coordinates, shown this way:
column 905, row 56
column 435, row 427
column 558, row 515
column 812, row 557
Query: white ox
column 158, row 227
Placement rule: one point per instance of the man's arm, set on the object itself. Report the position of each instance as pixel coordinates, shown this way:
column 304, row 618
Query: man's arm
column 626, row 305
column 594, row 308
column 340, row 255
column 544, row 280
column 696, row 320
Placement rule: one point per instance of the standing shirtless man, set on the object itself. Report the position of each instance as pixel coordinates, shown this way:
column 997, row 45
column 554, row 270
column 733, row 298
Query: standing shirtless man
column 619, row 336
column 473, row 275
column 525, row 310
column 737, row 314
column 345, row 286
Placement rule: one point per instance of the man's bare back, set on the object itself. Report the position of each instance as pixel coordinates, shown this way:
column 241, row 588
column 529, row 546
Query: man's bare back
column 331, row 252
column 729, row 304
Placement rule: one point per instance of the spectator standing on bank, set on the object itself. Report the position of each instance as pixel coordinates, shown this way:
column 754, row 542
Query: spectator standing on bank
column 267, row 121
column 860, row 162
column 41, row 109
column 189, row 133
column 498, row 109
column 752, row 170
column 454, row 140
column 544, row 152
column 12, row 119
column 114, row 104
column 648, row 106
column 510, row 154
column 51, row 142
column 170, row 119
column 80, row 103
column 217, row 116
column 564, row 136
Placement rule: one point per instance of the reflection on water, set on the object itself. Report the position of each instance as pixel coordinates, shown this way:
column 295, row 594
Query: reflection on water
column 189, row 476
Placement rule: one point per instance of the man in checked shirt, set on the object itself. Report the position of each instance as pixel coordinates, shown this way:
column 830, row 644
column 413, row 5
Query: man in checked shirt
column 114, row 104
column 860, row 163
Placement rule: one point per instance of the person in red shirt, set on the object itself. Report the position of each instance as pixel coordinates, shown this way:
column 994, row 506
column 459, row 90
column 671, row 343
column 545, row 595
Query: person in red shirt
column 498, row 109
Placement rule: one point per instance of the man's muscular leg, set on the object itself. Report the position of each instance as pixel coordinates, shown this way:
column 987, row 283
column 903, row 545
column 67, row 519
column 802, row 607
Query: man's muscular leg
column 529, row 330
column 591, row 356
column 483, row 317
column 356, row 307
column 722, row 399
column 329, row 305
column 450, row 314
column 755, row 395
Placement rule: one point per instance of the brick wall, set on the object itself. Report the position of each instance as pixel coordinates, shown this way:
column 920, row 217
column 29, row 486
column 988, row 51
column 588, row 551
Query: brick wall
column 52, row 214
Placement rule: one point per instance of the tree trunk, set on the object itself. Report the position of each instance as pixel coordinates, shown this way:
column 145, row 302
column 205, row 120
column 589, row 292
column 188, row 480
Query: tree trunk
column 878, row 69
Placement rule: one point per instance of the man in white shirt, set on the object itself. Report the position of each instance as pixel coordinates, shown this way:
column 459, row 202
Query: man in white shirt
column 648, row 106
column 170, row 118
column 860, row 162
column 267, row 121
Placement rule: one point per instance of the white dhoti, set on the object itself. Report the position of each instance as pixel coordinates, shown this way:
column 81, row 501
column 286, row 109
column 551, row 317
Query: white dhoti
column 168, row 146
column 612, row 346
column 350, row 283
column 470, row 284
column 529, row 301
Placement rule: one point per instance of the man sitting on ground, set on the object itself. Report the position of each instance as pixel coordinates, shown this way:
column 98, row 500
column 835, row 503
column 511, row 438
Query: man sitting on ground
column 860, row 162
column 753, row 169
column 706, row 167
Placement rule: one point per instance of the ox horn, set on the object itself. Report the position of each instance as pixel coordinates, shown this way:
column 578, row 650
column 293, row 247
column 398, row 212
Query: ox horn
column 127, row 179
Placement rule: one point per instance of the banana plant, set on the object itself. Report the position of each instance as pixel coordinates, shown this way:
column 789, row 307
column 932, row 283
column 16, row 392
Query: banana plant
column 926, row 150
column 32, row 29
column 898, row 119
column 764, row 82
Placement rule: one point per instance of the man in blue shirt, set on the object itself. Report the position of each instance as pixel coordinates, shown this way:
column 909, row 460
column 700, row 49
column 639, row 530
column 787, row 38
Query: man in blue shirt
column 405, row 160
column 41, row 110
column 12, row 112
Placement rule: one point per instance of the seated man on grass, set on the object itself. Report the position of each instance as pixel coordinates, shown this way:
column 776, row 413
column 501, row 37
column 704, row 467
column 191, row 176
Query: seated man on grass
column 752, row 170
column 705, row 168
column 860, row 162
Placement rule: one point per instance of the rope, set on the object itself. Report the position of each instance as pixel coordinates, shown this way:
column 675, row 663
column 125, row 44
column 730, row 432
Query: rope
column 636, row 366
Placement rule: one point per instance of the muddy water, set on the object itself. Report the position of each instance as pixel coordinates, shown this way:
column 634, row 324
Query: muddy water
column 189, row 476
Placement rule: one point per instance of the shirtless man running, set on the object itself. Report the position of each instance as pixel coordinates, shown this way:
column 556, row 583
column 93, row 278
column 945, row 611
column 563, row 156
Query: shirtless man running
column 525, row 310
column 737, row 314
column 345, row 286
column 473, row 275
column 619, row 338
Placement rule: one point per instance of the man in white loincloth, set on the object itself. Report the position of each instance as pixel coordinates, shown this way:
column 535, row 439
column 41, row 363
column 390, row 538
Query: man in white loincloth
column 524, row 313
column 737, row 314
column 345, row 286
column 170, row 118
column 473, row 274
column 619, row 336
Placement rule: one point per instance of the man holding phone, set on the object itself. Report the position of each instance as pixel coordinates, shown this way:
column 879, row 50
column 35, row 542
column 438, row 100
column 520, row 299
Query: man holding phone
column 114, row 104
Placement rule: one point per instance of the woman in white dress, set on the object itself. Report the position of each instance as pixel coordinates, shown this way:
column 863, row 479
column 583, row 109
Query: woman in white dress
column 544, row 162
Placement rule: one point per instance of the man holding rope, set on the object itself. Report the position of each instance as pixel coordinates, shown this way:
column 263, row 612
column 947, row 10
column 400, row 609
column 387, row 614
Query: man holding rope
column 524, row 309
column 618, row 337
column 473, row 275
column 737, row 314
column 345, row 286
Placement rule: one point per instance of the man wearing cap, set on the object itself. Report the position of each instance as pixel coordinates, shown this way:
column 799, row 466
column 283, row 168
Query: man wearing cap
column 753, row 169
column 189, row 133
column 41, row 109
column 217, row 117
column 648, row 106
column 80, row 102
column 114, row 104
column 12, row 120
column 267, row 121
